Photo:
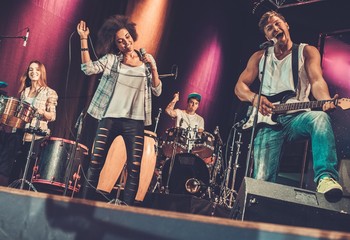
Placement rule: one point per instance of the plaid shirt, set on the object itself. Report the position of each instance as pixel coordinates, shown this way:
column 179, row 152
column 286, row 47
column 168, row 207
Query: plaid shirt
column 46, row 99
column 110, row 66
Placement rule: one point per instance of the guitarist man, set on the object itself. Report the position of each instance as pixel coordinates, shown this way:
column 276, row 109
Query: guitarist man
column 278, row 77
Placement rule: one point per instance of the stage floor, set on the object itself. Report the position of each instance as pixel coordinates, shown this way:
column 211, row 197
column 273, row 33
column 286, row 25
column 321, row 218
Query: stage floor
column 34, row 215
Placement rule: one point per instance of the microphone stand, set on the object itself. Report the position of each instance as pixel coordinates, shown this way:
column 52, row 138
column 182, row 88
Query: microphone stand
column 256, row 112
column 78, row 126
column 174, row 70
column 3, row 37
column 159, row 177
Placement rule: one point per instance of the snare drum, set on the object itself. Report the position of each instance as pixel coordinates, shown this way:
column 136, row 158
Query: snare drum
column 15, row 113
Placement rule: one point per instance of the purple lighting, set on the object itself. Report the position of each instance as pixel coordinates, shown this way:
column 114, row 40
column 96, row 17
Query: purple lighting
column 336, row 64
column 205, row 75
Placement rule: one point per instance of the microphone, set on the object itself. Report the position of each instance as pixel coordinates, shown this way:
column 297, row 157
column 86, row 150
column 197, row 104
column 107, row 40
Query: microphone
column 79, row 119
column 176, row 68
column 267, row 44
column 143, row 53
column 173, row 73
column 217, row 134
column 26, row 38
column 166, row 75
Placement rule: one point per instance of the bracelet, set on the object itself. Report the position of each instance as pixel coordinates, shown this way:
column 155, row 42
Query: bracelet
column 252, row 101
column 84, row 49
column 83, row 38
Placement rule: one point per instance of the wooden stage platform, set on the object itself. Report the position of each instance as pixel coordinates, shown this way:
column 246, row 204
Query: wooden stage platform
column 34, row 215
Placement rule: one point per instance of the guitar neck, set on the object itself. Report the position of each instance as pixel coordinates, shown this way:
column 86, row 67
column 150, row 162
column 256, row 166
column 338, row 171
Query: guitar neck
column 285, row 107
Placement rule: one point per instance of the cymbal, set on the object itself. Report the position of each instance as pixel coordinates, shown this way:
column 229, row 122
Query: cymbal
column 3, row 84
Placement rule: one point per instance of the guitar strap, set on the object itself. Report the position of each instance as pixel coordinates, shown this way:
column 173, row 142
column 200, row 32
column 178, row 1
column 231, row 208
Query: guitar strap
column 295, row 62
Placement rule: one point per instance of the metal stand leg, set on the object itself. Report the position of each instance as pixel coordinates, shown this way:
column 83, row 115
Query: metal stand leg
column 29, row 157
column 72, row 157
column 227, row 195
column 120, row 185
column 172, row 160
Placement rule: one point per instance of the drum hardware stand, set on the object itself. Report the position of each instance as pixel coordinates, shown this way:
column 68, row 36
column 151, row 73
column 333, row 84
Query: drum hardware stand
column 157, row 120
column 78, row 126
column 228, row 194
column 158, row 183
column 215, row 171
column 159, row 178
column 30, row 154
column 217, row 165
column 122, row 182
column 172, row 160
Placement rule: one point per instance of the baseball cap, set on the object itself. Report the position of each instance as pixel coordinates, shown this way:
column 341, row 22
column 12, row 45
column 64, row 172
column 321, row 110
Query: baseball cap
column 195, row 95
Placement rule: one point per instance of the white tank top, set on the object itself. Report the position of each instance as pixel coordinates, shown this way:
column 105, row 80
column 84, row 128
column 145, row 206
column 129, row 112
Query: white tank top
column 128, row 98
column 279, row 75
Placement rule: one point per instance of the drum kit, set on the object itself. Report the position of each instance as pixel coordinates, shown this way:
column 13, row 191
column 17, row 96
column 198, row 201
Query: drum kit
column 192, row 162
column 177, row 165
column 188, row 163
column 184, row 161
column 57, row 165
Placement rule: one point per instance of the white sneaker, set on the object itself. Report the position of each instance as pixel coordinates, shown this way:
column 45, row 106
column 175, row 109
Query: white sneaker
column 329, row 187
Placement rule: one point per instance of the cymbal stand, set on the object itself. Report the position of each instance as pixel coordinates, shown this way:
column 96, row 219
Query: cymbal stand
column 159, row 177
column 172, row 159
column 29, row 157
column 227, row 194
column 72, row 155
column 215, row 172
column 235, row 167
column 157, row 120
column 120, row 185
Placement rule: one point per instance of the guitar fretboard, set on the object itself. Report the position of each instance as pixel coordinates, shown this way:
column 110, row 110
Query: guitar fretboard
column 284, row 107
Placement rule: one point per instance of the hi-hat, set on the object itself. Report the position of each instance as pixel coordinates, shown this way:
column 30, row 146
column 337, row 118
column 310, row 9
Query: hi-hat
column 3, row 84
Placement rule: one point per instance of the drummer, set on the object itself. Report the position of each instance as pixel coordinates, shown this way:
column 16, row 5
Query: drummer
column 35, row 92
column 187, row 118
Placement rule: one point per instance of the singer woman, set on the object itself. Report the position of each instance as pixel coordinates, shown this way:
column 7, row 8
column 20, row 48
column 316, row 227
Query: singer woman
column 122, row 101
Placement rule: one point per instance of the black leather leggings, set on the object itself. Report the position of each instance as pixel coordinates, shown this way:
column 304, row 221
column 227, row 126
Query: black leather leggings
column 108, row 129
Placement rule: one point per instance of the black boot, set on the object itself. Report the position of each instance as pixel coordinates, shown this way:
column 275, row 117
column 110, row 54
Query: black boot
column 90, row 184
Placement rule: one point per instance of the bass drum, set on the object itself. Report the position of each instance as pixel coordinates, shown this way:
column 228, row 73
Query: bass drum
column 51, row 170
column 187, row 167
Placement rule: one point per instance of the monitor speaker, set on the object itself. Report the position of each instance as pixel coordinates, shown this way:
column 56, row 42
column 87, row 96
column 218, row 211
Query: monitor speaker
column 263, row 201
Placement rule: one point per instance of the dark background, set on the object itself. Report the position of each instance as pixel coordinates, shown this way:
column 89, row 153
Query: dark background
column 189, row 25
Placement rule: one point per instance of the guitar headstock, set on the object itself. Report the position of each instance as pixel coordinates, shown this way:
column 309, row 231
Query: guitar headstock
column 344, row 103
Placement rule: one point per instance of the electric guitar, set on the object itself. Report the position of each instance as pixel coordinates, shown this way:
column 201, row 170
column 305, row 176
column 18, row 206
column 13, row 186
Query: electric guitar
column 282, row 106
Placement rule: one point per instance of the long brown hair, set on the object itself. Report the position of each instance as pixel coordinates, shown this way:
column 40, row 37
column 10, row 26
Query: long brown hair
column 25, row 80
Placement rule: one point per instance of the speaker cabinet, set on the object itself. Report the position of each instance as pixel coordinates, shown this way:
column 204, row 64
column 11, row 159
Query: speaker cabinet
column 344, row 176
column 263, row 201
